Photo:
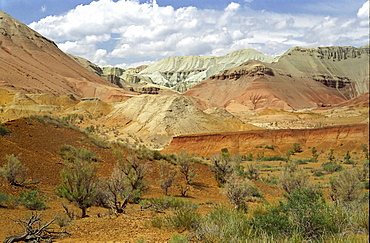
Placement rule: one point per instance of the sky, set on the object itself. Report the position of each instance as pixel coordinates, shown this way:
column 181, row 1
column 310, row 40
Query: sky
column 129, row 33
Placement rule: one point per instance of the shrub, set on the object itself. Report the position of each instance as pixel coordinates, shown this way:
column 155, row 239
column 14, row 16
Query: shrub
column 346, row 186
column 70, row 153
column 79, row 185
column 222, row 168
column 186, row 167
column 167, row 173
column 14, row 171
column 236, row 190
column 253, row 171
column 297, row 148
column 331, row 167
column 178, row 239
column 169, row 202
column 31, row 200
column 318, row 173
column 4, row 199
column 304, row 212
column 292, row 178
column 183, row 219
column 222, row 225
column 3, row 130
column 274, row 158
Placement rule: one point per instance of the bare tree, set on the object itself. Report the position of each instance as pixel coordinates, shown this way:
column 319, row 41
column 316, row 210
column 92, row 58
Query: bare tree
column 186, row 167
column 221, row 166
column 168, row 174
column 34, row 232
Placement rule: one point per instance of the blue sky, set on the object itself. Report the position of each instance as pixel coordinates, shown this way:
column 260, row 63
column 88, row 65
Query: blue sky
column 132, row 32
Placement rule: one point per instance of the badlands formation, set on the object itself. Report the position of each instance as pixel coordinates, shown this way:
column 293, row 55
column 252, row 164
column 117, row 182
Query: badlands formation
column 242, row 91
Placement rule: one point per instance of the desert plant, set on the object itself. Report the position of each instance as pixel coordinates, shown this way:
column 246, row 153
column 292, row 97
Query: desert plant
column 114, row 192
column 304, row 213
column 346, row 186
column 222, row 168
column 331, row 156
column 292, row 177
column 4, row 199
column 79, row 184
column 134, row 170
column 14, row 171
column 222, row 225
column 186, row 167
column 331, row 167
column 315, row 155
column 167, row 174
column 183, row 219
column 237, row 189
column 31, row 200
column 297, row 148
column 70, row 153
column 178, row 239
column 253, row 171
column 3, row 130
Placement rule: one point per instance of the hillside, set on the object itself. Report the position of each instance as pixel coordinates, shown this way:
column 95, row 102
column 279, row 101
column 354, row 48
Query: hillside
column 31, row 63
column 302, row 78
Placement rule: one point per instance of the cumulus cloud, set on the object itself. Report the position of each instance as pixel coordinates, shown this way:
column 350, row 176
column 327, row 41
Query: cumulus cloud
column 127, row 32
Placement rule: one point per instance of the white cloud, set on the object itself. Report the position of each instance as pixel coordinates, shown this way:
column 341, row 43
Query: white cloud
column 43, row 8
column 125, row 31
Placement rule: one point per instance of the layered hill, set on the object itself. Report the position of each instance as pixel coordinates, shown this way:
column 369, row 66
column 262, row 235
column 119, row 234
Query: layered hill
column 31, row 63
column 181, row 73
column 302, row 78
column 155, row 120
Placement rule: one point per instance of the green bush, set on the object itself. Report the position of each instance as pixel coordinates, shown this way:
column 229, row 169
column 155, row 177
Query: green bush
column 183, row 219
column 304, row 212
column 179, row 239
column 223, row 225
column 318, row 173
column 331, row 167
column 31, row 200
column 4, row 199
column 14, row 171
column 71, row 154
column 274, row 158
column 4, row 131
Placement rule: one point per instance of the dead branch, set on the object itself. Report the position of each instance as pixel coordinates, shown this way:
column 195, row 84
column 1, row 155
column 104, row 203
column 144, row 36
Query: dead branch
column 35, row 233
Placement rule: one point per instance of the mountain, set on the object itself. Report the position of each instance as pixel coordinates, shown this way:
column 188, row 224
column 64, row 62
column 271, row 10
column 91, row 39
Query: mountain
column 182, row 73
column 302, row 78
column 31, row 63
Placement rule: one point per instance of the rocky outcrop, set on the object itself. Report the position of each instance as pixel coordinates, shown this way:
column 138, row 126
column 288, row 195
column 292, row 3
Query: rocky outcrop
column 182, row 73
column 343, row 138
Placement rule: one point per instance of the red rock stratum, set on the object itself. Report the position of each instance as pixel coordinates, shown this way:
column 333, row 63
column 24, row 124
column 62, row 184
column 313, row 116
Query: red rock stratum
column 341, row 138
